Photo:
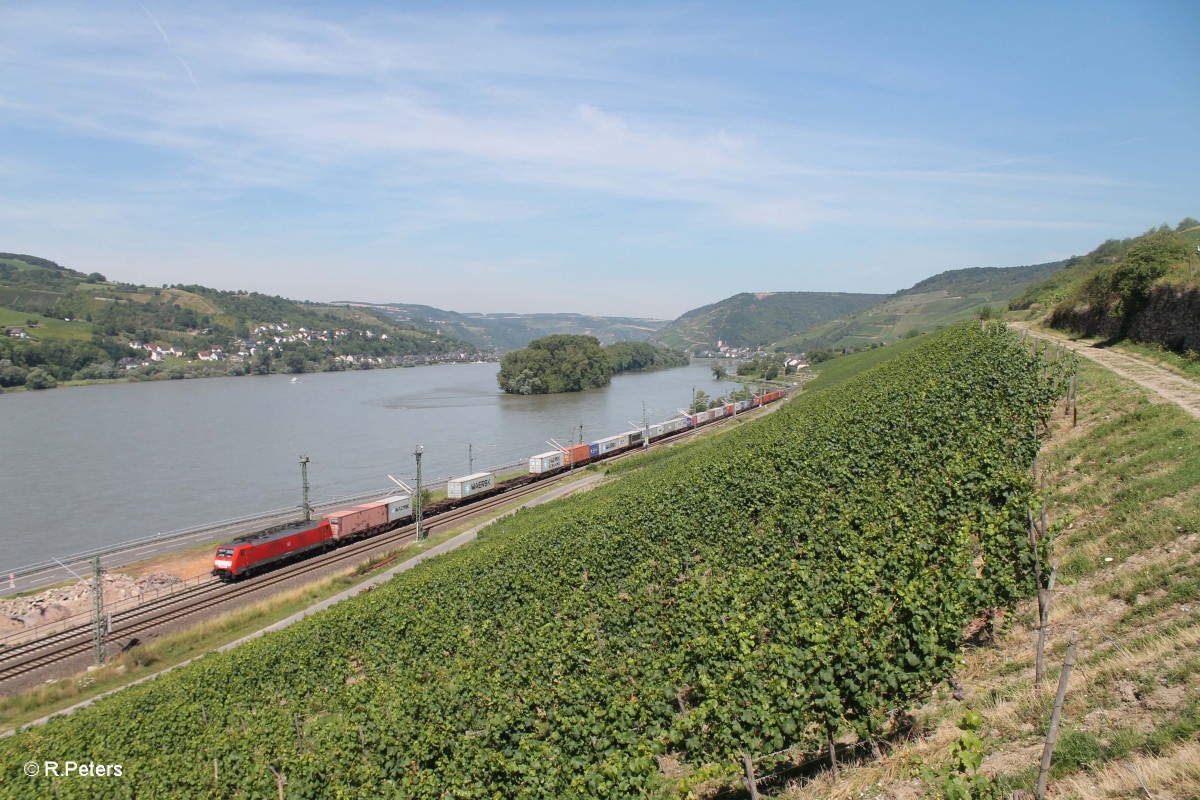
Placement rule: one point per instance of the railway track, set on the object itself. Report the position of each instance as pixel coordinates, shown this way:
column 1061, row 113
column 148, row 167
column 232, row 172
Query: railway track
column 23, row 659
column 29, row 657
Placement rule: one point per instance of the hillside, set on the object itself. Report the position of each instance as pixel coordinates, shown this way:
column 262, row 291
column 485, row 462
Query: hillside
column 758, row 319
column 504, row 332
column 68, row 325
column 943, row 299
column 1054, row 289
column 1145, row 289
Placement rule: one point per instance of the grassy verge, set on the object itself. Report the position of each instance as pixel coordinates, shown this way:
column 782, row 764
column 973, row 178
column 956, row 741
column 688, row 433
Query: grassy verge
column 1125, row 496
column 1187, row 365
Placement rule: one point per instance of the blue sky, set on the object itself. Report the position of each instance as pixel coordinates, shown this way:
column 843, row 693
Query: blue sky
column 606, row 158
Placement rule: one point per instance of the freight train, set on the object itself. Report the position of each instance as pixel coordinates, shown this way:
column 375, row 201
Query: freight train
column 256, row 552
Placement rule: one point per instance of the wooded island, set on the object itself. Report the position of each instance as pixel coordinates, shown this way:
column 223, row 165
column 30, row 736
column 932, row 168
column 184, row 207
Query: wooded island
column 567, row 363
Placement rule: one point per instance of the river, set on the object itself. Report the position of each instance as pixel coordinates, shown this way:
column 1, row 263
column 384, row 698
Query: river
column 92, row 466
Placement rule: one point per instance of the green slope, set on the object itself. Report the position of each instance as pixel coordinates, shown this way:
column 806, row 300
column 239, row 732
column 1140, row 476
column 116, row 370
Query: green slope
column 104, row 316
column 940, row 300
column 758, row 319
column 1078, row 270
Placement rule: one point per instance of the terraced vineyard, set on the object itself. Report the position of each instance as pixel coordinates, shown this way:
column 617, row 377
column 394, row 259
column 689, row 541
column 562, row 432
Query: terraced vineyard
column 807, row 576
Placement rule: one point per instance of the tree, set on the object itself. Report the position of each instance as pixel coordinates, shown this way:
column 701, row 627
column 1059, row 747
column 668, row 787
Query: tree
column 263, row 365
column 718, row 371
column 10, row 374
column 294, row 362
column 39, row 378
column 699, row 402
column 556, row 363
column 96, row 277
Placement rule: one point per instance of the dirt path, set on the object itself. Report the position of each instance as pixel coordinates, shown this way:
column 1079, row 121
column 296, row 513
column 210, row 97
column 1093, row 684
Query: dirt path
column 1183, row 392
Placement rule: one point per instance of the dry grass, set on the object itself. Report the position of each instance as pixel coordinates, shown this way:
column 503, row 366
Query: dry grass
column 1174, row 776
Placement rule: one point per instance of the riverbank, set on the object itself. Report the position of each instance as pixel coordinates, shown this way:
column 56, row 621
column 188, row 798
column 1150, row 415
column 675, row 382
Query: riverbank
column 169, row 373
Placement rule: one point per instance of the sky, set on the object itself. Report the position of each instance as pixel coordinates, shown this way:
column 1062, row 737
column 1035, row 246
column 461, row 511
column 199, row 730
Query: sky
column 632, row 159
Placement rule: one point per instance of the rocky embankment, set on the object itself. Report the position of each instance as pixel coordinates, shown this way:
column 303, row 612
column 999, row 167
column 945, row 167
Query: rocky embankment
column 24, row 614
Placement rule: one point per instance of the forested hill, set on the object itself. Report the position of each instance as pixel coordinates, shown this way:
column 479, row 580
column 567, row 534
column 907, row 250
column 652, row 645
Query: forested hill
column 503, row 332
column 939, row 300
column 758, row 319
column 66, row 325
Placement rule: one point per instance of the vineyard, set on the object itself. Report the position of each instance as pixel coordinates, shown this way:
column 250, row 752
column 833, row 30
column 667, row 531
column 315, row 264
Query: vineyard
column 804, row 579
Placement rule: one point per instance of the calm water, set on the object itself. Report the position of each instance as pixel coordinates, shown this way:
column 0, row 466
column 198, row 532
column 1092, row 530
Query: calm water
column 89, row 466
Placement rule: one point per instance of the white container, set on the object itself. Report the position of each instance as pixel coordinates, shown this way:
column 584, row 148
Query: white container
column 399, row 506
column 611, row 443
column 673, row 425
column 545, row 462
column 471, row 485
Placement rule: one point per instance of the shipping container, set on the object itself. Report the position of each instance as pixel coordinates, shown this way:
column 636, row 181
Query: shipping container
column 657, row 431
column 471, row 485
column 579, row 454
column 635, row 437
column 546, row 462
column 398, row 507
column 593, row 450
column 741, row 405
column 611, row 444
column 677, row 424
column 717, row 413
column 351, row 522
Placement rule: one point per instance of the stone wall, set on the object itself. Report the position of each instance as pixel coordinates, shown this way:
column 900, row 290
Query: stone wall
column 1171, row 318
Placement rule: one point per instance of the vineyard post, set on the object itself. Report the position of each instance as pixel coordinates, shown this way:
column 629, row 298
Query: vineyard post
column 1037, row 579
column 1052, row 734
column 833, row 765
column 216, row 773
column 1042, row 532
column 280, row 779
column 1043, row 621
column 751, row 783
column 1075, row 394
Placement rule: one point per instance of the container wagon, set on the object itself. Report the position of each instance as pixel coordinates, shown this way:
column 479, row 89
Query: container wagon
column 350, row 523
